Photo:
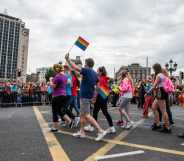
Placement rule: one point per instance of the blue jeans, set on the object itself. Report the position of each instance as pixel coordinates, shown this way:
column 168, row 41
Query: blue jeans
column 78, row 99
column 74, row 104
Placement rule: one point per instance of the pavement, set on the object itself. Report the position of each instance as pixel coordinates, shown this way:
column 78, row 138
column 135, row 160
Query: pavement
column 25, row 136
column 21, row 138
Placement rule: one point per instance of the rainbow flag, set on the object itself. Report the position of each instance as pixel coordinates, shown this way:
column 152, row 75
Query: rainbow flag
column 81, row 43
column 103, row 91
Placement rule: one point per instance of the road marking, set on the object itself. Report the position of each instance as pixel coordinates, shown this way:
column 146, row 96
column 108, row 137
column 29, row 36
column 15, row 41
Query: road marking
column 140, row 146
column 106, row 148
column 45, row 112
column 150, row 148
column 115, row 142
column 119, row 155
column 56, row 150
column 113, row 108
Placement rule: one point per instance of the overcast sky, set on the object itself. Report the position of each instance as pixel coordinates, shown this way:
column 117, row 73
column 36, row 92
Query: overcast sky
column 120, row 32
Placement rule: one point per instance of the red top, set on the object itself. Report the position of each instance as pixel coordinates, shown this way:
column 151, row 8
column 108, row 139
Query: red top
column 103, row 82
column 74, row 86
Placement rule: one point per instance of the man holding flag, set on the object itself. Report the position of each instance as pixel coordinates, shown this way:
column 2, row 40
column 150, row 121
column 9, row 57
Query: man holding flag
column 87, row 88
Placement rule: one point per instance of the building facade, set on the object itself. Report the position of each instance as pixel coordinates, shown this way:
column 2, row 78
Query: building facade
column 41, row 74
column 14, row 38
column 137, row 72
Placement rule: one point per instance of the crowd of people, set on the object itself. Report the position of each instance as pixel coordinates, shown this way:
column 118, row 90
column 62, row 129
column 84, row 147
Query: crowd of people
column 24, row 94
column 77, row 94
column 87, row 92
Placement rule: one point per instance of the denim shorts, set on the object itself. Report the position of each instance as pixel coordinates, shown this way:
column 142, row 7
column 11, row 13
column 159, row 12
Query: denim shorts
column 124, row 103
column 85, row 105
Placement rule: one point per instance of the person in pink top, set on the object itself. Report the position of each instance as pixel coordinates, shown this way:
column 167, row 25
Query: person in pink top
column 170, row 89
column 159, row 103
column 126, row 94
column 43, row 89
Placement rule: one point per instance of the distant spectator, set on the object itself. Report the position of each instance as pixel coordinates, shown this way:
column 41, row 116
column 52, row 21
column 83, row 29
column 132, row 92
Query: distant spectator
column 49, row 92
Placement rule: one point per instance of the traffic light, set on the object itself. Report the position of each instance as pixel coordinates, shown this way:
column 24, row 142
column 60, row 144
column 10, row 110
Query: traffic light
column 182, row 75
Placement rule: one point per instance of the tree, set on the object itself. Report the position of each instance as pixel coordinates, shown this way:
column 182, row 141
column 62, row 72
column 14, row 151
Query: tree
column 49, row 73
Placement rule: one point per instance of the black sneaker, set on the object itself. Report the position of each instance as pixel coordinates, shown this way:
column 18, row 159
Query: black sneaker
column 181, row 135
column 154, row 127
column 54, row 130
column 165, row 130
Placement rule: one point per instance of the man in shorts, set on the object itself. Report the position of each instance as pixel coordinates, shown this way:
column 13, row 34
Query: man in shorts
column 87, row 88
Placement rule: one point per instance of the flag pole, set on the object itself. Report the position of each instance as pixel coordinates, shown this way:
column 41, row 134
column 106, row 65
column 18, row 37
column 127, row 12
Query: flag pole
column 70, row 48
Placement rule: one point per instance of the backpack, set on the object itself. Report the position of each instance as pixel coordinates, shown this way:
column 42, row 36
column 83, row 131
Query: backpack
column 168, row 85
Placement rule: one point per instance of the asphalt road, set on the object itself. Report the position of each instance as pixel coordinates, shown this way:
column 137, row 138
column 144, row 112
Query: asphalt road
column 24, row 138
column 21, row 138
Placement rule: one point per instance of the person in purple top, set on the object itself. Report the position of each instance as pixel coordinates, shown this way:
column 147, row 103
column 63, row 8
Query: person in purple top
column 59, row 99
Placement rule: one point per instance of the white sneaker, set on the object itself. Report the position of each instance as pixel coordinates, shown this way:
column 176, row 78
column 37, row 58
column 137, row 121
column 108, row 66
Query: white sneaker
column 79, row 135
column 77, row 121
column 89, row 128
column 100, row 136
column 63, row 124
column 123, row 126
column 111, row 130
column 129, row 125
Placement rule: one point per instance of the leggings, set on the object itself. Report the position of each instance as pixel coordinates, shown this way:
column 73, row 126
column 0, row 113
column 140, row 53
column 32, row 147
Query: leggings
column 101, row 103
column 59, row 108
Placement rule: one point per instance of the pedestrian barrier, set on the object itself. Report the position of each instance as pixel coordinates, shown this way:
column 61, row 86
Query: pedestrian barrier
column 24, row 100
column 15, row 104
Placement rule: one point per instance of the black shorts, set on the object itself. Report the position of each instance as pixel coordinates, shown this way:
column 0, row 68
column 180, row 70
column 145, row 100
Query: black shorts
column 161, row 94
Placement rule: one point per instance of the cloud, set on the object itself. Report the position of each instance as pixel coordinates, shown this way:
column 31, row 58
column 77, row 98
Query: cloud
column 119, row 32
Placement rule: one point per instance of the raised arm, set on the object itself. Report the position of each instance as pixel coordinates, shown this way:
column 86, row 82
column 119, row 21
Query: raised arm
column 71, row 64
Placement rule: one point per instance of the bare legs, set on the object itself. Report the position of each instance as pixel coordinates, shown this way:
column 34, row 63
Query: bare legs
column 161, row 104
column 87, row 118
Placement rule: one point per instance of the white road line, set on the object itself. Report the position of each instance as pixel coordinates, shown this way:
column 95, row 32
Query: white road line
column 119, row 155
column 113, row 108
column 178, row 118
column 45, row 112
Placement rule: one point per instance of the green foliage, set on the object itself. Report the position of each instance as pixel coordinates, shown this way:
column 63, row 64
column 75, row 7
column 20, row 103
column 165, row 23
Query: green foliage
column 49, row 73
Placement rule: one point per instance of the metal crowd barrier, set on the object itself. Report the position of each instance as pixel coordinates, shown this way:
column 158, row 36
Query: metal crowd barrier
column 23, row 104
column 21, row 101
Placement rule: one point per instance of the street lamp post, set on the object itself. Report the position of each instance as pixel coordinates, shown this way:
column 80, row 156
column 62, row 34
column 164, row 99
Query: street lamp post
column 171, row 66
